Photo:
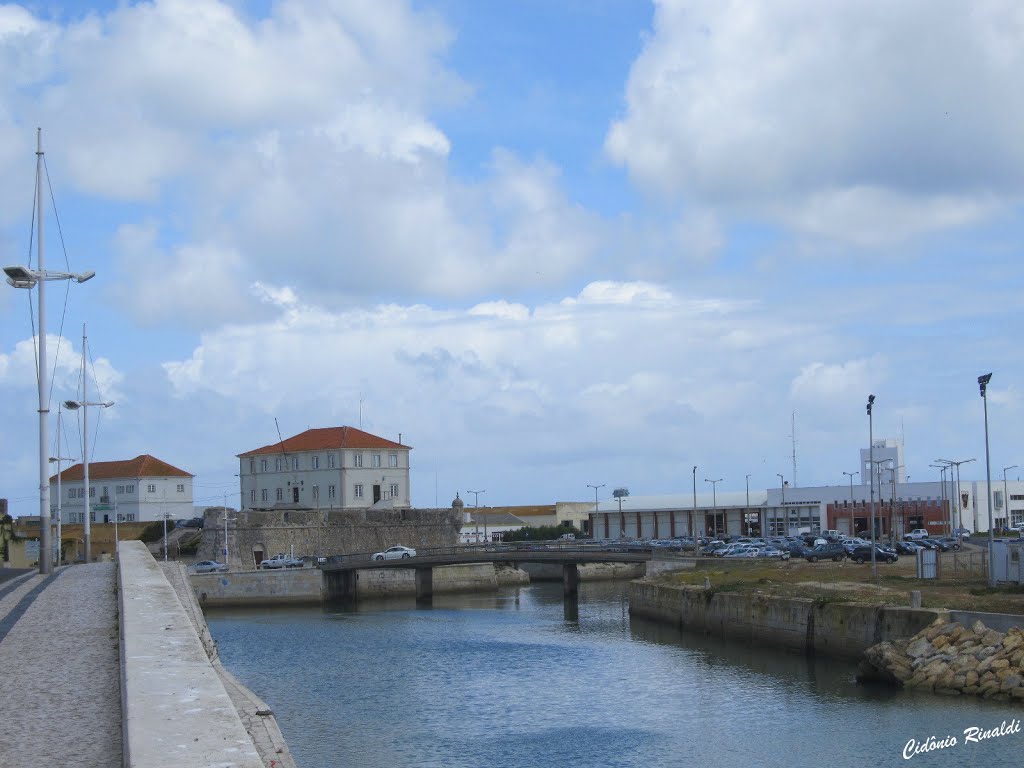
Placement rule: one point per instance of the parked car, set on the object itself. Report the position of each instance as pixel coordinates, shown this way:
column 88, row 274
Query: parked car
column 281, row 560
column 950, row 541
column 917, row 534
column 863, row 554
column 962, row 532
column 906, row 547
column 395, row 553
column 195, row 522
column 833, row 551
column 711, row 549
column 209, row 566
column 771, row 550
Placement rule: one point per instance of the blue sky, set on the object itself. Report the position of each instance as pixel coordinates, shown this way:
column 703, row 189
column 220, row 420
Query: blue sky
column 553, row 244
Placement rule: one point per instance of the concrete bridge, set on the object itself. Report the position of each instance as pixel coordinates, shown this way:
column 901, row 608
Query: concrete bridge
column 341, row 576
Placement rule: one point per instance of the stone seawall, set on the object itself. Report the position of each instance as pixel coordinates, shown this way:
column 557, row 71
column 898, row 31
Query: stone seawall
column 304, row 585
column 587, row 572
column 843, row 630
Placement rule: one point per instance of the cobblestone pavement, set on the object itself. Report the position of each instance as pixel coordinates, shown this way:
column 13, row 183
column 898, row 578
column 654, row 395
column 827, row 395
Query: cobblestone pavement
column 60, row 687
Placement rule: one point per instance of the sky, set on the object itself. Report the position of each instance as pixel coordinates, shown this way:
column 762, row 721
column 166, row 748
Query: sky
column 550, row 244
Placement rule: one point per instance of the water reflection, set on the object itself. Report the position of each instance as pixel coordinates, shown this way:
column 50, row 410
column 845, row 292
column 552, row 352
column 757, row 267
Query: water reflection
column 525, row 678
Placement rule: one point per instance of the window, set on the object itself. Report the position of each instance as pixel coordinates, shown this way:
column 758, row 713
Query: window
column 252, row 466
column 357, row 492
column 277, row 465
column 71, row 493
column 330, row 491
column 252, row 496
column 263, row 495
column 316, row 462
column 376, row 460
column 295, row 463
column 150, row 488
column 92, row 492
column 130, row 517
column 330, row 461
column 357, row 460
column 280, row 495
column 92, row 516
column 392, row 460
column 119, row 490
column 394, row 490
column 130, row 488
column 263, row 465
column 997, row 499
column 316, row 492
column 181, row 487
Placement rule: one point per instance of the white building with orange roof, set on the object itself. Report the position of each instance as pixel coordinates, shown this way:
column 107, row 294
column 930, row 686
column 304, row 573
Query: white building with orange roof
column 137, row 490
column 326, row 468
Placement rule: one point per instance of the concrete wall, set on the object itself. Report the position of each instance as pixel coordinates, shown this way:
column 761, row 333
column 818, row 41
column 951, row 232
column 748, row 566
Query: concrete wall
column 175, row 709
column 842, row 630
column 305, row 585
column 587, row 572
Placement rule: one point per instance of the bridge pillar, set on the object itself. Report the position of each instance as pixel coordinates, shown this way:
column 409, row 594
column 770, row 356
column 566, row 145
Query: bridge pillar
column 340, row 586
column 570, row 580
column 424, row 585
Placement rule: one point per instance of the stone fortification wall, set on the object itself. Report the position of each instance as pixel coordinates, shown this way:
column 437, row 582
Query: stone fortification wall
column 843, row 630
column 325, row 532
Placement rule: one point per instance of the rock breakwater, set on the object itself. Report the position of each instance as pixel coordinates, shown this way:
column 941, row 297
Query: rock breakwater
column 953, row 659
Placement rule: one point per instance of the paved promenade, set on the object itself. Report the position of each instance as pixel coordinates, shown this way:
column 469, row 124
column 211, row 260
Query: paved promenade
column 60, row 690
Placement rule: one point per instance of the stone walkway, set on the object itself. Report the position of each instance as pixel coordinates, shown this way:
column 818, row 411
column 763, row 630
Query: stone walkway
column 60, row 688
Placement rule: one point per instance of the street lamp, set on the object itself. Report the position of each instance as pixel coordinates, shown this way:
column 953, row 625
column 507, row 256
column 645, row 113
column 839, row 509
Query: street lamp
column 693, row 515
column 983, row 385
column 595, row 487
column 747, row 510
column 942, row 481
column 476, row 516
column 57, row 460
column 784, row 525
column 74, row 405
column 226, row 519
column 955, row 484
column 714, row 502
column 24, row 277
column 871, row 470
column 1006, row 499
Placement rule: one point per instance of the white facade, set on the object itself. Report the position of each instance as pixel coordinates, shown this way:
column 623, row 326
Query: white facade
column 143, row 489
column 331, row 468
column 888, row 456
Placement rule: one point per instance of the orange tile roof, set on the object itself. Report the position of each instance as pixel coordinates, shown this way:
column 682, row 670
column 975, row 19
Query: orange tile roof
column 326, row 438
column 141, row 466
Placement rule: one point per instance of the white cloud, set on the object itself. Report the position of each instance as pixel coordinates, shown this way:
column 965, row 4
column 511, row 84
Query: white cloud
column 868, row 122
column 824, row 384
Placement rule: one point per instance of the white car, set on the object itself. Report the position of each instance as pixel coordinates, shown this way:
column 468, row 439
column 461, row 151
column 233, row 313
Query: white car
column 395, row 553
column 917, row 534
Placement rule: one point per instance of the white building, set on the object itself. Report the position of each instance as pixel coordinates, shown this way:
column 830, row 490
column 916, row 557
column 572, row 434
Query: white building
column 331, row 467
column 888, row 458
column 137, row 490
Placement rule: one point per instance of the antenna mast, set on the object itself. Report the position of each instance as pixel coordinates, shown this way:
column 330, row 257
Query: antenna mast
column 793, row 436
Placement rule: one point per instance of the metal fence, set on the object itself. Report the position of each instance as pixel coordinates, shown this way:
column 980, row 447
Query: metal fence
column 963, row 566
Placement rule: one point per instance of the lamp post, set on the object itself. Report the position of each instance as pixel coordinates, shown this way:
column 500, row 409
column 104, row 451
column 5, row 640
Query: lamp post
column 747, row 510
column 57, row 460
column 942, row 482
column 955, row 484
column 714, row 502
column 74, row 405
column 24, row 277
column 476, row 515
column 693, row 519
column 1006, row 499
column 226, row 519
column 782, row 486
column 983, row 386
column 871, row 469
column 596, row 503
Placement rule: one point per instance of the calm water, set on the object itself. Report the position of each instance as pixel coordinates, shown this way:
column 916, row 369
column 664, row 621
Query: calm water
column 522, row 679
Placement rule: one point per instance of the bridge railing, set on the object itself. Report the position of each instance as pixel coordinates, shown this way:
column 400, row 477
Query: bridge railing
column 557, row 545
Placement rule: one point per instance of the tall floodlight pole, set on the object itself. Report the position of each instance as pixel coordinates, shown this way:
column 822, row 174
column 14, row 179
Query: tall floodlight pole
column 785, row 520
column 476, row 515
column 954, row 483
column 747, row 510
column 693, row 520
column 942, row 482
column 1006, row 499
column 983, row 386
column 871, row 469
column 597, row 504
column 714, row 502
column 850, row 475
column 25, row 277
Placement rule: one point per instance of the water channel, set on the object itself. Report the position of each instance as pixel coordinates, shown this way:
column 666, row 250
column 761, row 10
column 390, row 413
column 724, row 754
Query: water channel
column 522, row 679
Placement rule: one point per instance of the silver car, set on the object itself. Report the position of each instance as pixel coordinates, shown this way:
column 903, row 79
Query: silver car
column 395, row 553
column 209, row 566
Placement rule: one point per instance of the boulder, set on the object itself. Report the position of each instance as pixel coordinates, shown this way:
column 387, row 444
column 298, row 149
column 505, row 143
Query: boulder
column 978, row 628
column 1017, row 693
column 970, row 679
column 920, row 646
column 992, row 637
column 1010, row 682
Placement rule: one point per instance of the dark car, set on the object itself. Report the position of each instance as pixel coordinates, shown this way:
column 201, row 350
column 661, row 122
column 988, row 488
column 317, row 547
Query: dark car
column 795, row 548
column 939, row 544
column 195, row 522
column 863, row 554
column 833, row 551
column 949, row 541
column 906, row 547
column 713, row 548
